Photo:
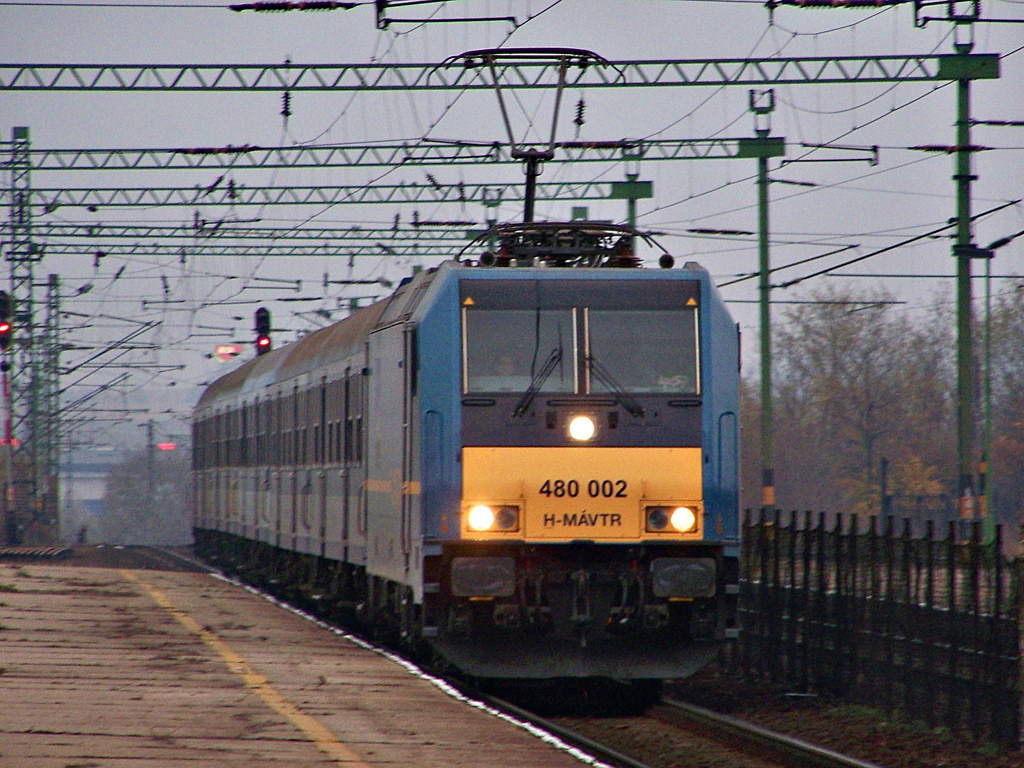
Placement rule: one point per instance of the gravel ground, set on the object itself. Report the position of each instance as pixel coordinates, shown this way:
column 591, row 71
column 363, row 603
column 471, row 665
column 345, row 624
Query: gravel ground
column 853, row 730
column 116, row 556
column 660, row 744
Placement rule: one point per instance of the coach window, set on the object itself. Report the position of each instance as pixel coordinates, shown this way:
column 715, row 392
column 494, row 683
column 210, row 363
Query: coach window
column 229, row 439
column 360, row 406
column 349, row 426
column 643, row 351
column 506, row 348
column 293, row 447
column 245, row 415
column 217, row 461
column 232, row 438
column 240, row 436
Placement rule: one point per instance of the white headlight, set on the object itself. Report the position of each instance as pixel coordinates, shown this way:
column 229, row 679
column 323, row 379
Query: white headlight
column 481, row 518
column 683, row 519
column 581, row 428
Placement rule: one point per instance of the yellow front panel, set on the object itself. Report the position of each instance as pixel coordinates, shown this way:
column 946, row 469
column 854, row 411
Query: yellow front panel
column 581, row 493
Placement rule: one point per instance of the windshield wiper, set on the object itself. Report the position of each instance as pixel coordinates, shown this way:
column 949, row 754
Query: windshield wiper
column 538, row 381
column 605, row 377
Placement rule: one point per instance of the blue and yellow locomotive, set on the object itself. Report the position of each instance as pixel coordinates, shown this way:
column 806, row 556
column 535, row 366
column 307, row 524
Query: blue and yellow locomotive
column 528, row 463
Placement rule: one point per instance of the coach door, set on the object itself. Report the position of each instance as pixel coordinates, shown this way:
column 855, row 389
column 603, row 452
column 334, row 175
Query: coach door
column 388, row 470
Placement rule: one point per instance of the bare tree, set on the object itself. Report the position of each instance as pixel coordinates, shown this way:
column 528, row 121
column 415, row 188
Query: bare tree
column 1007, row 364
column 857, row 382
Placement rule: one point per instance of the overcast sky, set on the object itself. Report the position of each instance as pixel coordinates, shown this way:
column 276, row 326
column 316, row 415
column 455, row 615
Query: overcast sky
column 851, row 204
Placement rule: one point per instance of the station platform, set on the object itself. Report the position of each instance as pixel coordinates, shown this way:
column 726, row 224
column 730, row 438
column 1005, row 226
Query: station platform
column 119, row 666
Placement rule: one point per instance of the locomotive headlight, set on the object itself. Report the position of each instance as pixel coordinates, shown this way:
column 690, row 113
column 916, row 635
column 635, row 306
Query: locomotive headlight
column 657, row 518
column 507, row 518
column 493, row 518
column 481, row 518
column 683, row 519
column 581, row 428
column 671, row 519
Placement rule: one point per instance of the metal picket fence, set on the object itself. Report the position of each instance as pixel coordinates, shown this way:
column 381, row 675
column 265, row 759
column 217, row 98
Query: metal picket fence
column 864, row 610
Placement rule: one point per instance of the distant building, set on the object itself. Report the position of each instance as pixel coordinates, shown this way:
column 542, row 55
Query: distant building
column 83, row 484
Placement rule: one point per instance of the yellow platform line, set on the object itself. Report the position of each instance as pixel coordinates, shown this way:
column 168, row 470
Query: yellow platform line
column 317, row 732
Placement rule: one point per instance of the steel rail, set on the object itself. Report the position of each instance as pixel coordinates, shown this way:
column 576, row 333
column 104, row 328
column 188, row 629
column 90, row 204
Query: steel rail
column 595, row 748
column 756, row 737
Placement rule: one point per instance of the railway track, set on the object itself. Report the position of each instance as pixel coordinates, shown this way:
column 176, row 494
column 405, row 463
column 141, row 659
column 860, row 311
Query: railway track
column 753, row 737
column 700, row 737
column 707, row 737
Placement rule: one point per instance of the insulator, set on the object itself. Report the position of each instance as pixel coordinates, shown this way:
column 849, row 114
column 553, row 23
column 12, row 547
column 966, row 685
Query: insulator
column 310, row 5
column 286, row 102
column 581, row 108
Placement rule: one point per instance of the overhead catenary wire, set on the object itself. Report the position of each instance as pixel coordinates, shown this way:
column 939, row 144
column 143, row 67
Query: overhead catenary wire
column 887, row 248
column 200, row 278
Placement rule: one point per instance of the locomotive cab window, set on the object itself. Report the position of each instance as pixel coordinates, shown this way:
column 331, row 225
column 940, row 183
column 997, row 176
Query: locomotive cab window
column 506, row 350
column 579, row 336
column 645, row 352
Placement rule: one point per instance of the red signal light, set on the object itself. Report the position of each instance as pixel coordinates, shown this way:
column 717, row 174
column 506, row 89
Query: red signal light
column 5, row 327
column 262, row 329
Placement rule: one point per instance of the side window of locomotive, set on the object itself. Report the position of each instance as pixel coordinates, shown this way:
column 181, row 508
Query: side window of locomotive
column 505, row 350
column 643, row 351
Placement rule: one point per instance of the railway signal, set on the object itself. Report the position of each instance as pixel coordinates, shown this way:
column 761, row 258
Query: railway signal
column 6, row 310
column 263, row 344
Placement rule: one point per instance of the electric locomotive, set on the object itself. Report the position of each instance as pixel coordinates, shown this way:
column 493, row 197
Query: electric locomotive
column 527, row 462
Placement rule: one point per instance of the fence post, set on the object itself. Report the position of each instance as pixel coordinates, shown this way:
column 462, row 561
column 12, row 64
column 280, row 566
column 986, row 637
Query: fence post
column 930, row 634
column 906, row 623
column 774, row 613
column 1019, row 568
column 764, row 596
column 806, row 606
column 890, row 651
column 953, row 686
column 794, row 612
column 995, row 665
column 873, row 613
column 821, row 611
column 745, row 597
column 977, row 671
column 853, row 662
column 839, row 628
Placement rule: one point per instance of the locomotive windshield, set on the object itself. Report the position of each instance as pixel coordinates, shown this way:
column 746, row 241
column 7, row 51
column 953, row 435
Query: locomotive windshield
column 583, row 337
column 505, row 349
column 644, row 351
